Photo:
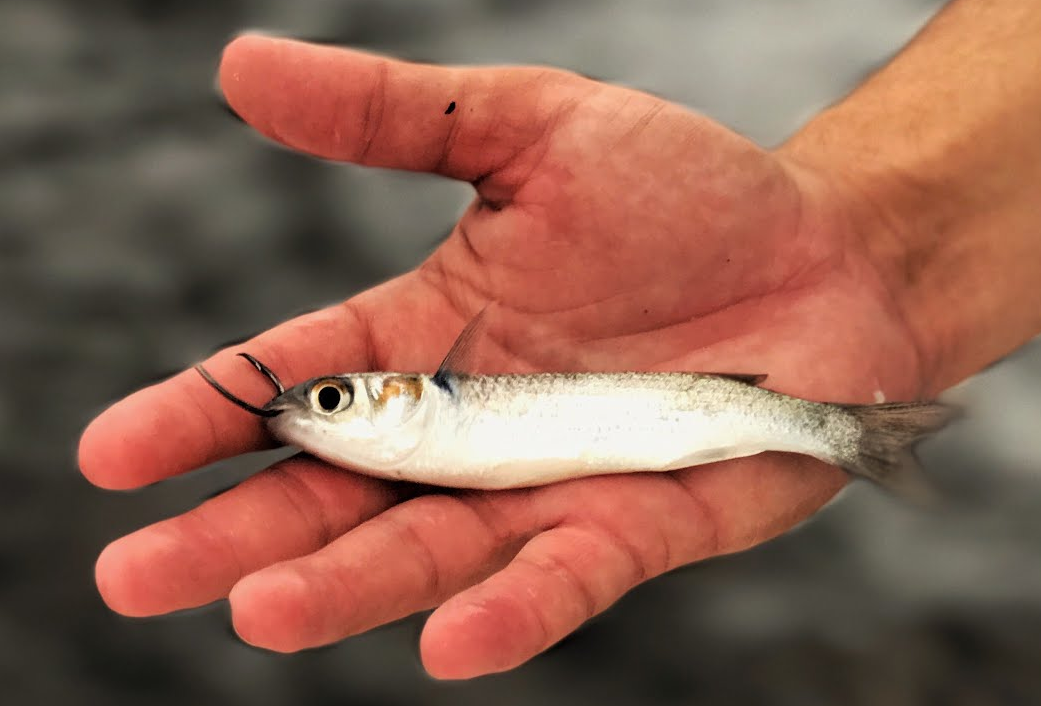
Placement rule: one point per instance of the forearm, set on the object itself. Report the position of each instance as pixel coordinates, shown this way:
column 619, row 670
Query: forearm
column 940, row 153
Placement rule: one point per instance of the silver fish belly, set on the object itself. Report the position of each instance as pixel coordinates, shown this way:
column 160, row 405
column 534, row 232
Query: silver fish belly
column 509, row 431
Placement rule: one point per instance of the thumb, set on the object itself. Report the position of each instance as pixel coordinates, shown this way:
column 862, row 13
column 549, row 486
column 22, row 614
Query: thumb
column 352, row 106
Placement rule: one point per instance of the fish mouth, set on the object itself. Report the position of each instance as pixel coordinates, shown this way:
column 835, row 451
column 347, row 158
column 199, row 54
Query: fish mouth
column 270, row 409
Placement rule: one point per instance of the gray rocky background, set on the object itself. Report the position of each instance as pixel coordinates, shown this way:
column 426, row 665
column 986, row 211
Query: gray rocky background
column 141, row 227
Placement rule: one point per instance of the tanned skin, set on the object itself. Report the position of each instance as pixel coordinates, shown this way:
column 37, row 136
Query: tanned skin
column 893, row 245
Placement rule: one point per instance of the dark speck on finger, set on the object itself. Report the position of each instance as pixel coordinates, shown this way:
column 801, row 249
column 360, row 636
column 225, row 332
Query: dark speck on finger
column 450, row 108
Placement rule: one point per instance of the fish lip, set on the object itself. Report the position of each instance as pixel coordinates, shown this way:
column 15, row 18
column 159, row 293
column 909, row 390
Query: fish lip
column 278, row 404
column 274, row 408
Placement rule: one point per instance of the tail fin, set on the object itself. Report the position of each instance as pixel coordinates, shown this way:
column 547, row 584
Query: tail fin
column 885, row 451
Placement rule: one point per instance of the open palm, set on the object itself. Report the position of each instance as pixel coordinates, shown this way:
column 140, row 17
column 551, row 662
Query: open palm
column 647, row 236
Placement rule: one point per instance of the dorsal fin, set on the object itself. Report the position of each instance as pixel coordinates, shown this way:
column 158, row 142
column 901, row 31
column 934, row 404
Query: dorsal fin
column 461, row 355
column 460, row 358
column 746, row 378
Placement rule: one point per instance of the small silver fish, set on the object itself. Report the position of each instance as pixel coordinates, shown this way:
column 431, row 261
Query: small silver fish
column 507, row 431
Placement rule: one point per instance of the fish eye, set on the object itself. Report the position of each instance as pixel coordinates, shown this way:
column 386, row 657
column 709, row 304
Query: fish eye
column 329, row 396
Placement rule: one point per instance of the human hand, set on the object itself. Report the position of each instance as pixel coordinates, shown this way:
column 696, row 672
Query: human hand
column 655, row 237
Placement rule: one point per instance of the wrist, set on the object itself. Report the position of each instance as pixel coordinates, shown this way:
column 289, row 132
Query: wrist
column 936, row 158
column 952, row 237
column 897, row 222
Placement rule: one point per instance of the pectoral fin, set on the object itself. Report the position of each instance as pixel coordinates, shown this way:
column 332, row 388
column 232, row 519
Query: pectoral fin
column 746, row 378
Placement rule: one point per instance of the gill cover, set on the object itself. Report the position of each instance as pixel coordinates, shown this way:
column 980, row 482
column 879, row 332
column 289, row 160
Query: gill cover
column 395, row 399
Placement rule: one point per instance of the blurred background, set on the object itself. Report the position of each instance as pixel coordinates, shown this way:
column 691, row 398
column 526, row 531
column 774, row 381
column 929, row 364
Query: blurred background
column 141, row 227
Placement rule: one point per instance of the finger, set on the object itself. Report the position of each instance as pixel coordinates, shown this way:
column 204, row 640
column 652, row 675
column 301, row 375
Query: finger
column 750, row 500
column 182, row 423
column 358, row 107
column 558, row 581
column 402, row 561
column 611, row 534
column 294, row 508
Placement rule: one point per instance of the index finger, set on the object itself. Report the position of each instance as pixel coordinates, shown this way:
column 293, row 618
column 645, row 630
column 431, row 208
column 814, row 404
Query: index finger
column 182, row 423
